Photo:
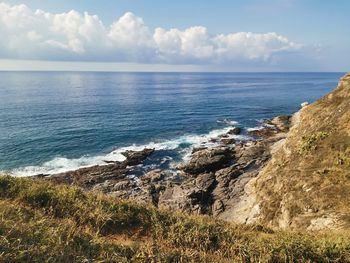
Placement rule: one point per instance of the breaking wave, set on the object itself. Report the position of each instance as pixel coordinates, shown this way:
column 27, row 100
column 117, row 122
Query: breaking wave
column 183, row 144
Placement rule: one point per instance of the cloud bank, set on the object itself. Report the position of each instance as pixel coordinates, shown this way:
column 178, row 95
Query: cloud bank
column 74, row 36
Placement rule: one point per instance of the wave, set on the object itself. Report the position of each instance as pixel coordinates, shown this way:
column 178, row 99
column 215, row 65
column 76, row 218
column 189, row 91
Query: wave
column 183, row 144
column 227, row 121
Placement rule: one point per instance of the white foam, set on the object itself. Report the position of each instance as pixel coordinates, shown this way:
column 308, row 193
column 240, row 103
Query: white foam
column 263, row 126
column 258, row 128
column 227, row 121
column 62, row 164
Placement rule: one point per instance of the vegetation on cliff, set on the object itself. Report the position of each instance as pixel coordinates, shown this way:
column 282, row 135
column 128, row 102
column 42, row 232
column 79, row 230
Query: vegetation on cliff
column 307, row 182
column 43, row 222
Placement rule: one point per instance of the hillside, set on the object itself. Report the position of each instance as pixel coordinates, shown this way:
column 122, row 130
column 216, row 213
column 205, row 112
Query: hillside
column 43, row 222
column 306, row 184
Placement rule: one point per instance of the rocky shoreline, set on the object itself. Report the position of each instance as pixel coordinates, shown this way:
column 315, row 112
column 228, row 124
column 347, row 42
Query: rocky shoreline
column 213, row 181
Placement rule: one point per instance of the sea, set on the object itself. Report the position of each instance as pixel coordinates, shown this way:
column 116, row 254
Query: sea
column 52, row 122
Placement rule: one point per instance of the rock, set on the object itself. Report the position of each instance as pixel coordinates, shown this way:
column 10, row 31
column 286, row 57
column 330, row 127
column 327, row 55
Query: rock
column 218, row 207
column 122, row 185
column 272, row 127
column 153, row 176
column 198, row 149
column 213, row 140
column 264, row 132
column 111, row 162
column 147, row 195
column 207, row 160
column 90, row 176
column 103, row 187
column 174, row 197
column 205, row 181
column 187, row 197
column 235, row 131
column 136, row 157
column 304, row 104
column 281, row 122
column 224, row 176
column 228, row 141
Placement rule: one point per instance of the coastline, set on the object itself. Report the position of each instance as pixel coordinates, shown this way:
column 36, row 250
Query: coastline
column 210, row 180
column 63, row 164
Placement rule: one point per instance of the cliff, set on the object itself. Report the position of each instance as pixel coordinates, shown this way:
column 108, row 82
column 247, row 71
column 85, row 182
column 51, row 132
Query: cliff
column 306, row 184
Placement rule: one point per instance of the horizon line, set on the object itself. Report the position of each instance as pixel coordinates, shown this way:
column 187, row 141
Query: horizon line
column 130, row 71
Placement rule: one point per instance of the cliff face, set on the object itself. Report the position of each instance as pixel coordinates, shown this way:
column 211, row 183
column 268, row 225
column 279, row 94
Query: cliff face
column 306, row 184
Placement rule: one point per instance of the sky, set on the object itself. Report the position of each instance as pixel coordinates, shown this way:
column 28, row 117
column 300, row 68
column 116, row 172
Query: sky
column 182, row 35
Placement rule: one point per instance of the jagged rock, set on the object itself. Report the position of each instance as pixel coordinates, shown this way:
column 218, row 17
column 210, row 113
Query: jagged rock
column 264, row 132
column 205, row 181
column 122, row 185
column 102, row 176
column 218, row 207
column 198, row 149
column 235, row 131
column 224, row 176
column 192, row 196
column 136, row 157
column 187, row 197
column 103, row 187
column 252, row 152
column 153, row 176
column 272, row 127
column 228, row 141
column 207, row 160
column 214, row 140
column 90, row 176
column 281, row 122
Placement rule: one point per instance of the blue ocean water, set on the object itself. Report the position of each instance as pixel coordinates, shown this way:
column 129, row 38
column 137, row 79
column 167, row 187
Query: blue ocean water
column 58, row 121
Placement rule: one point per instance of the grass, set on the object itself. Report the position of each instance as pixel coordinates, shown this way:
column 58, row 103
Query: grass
column 42, row 222
column 309, row 143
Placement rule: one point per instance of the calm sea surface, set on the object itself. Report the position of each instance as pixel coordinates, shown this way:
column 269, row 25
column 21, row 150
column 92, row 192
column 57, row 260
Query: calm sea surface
column 52, row 122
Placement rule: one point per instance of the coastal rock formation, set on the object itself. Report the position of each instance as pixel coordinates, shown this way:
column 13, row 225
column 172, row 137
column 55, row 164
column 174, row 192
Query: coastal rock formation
column 235, row 131
column 216, row 189
column 211, row 182
column 207, row 160
column 102, row 177
column 136, row 157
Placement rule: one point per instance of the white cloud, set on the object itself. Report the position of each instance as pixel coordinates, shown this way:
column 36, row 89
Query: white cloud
column 29, row 34
column 191, row 44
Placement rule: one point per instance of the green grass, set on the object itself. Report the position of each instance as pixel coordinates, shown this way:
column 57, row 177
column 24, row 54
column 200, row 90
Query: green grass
column 309, row 143
column 42, row 222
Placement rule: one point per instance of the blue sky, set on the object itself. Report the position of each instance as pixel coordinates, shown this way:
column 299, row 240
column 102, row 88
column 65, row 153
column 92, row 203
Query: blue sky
column 283, row 35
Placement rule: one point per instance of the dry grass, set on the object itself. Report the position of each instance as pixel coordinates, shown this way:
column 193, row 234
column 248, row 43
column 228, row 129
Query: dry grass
column 42, row 222
column 309, row 177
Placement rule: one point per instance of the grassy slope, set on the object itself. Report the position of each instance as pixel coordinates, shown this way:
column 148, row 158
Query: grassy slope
column 42, row 222
column 310, row 177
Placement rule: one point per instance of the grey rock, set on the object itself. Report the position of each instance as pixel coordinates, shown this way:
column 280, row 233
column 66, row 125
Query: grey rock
column 207, row 160
column 136, row 157
column 228, row 141
column 235, row 131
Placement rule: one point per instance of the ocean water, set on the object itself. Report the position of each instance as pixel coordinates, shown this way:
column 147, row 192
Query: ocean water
column 58, row 121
